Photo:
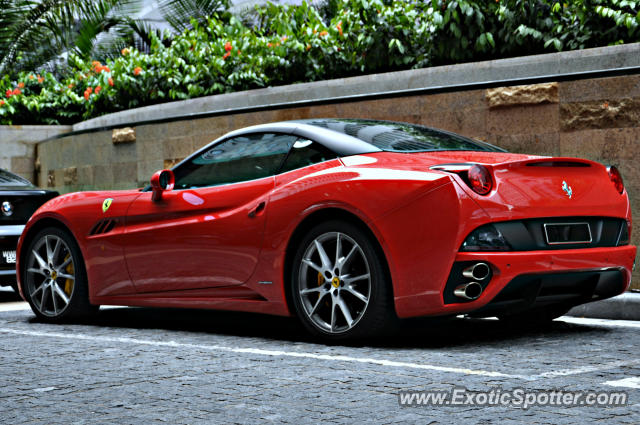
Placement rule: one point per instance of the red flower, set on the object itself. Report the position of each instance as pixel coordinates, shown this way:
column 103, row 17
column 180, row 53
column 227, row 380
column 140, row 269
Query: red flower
column 16, row 92
column 137, row 70
column 70, row 86
column 31, row 77
column 87, row 93
column 9, row 93
column 40, row 79
column 322, row 33
column 226, row 55
column 239, row 52
column 98, row 88
column 339, row 26
column 283, row 39
column 21, row 85
column 111, row 81
column 125, row 52
column 227, row 46
column 98, row 68
column 1, row 102
column 269, row 45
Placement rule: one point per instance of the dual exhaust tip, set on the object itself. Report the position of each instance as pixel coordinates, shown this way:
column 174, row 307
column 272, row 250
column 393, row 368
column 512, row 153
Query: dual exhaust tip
column 472, row 290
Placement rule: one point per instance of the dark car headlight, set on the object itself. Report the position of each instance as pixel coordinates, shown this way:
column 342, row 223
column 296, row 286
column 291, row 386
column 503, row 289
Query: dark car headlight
column 485, row 238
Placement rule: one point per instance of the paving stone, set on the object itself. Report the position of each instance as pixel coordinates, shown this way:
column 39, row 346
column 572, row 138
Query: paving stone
column 111, row 371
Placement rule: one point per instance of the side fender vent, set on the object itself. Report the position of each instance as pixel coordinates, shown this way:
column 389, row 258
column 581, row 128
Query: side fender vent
column 103, row 226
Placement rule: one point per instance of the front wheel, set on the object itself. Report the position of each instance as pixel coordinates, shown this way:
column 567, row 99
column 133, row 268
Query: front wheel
column 55, row 280
column 340, row 286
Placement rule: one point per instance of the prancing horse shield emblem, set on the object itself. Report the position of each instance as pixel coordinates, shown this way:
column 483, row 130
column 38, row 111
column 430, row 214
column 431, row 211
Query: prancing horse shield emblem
column 106, row 204
column 567, row 189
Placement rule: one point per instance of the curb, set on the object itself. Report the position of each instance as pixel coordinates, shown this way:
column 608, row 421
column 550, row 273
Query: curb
column 623, row 307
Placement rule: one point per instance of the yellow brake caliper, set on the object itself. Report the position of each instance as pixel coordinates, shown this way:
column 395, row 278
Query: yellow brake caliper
column 68, row 284
column 320, row 283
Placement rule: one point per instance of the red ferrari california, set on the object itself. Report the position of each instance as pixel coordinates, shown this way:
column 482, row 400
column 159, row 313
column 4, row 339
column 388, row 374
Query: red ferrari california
column 347, row 224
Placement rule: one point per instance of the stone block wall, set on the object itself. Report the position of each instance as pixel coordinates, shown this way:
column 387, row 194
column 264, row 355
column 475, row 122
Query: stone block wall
column 18, row 147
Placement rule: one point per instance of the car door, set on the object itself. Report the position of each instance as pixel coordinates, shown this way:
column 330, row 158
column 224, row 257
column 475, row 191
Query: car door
column 207, row 232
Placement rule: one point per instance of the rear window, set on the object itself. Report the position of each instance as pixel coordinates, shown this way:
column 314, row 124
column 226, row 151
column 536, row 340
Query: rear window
column 8, row 179
column 402, row 137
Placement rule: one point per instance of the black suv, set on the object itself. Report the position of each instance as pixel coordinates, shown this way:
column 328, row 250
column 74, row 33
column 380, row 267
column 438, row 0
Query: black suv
column 19, row 199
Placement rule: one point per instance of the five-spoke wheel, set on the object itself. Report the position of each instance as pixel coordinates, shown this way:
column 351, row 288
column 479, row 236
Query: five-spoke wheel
column 54, row 276
column 339, row 283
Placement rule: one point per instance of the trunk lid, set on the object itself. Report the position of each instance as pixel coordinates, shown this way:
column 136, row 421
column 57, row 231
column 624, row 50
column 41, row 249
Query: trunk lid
column 550, row 187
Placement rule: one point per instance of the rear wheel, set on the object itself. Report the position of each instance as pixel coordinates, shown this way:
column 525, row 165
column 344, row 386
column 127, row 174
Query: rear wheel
column 55, row 280
column 340, row 287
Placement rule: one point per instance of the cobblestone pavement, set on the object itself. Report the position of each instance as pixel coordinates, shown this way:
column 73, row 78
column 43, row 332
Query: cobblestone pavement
column 175, row 366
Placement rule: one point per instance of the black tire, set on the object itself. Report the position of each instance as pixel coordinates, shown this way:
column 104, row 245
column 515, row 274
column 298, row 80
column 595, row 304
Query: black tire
column 536, row 317
column 43, row 288
column 372, row 317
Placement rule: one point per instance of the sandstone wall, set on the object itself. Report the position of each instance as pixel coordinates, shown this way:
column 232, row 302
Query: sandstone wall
column 18, row 147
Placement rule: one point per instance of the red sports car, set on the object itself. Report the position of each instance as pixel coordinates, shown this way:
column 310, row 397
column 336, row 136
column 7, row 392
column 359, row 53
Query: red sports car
column 347, row 224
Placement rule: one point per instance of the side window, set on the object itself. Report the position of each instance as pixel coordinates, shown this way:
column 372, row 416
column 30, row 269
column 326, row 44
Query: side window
column 305, row 152
column 236, row 160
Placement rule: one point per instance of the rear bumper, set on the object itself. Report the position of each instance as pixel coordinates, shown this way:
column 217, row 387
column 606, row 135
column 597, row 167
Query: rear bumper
column 568, row 289
column 575, row 270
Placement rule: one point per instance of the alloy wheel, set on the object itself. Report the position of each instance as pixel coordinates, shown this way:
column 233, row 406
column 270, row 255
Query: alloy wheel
column 50, row 275
column 334, row 282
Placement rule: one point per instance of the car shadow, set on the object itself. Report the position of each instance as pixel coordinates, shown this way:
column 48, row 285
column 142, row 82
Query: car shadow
column 7, row 295
column 413, row 333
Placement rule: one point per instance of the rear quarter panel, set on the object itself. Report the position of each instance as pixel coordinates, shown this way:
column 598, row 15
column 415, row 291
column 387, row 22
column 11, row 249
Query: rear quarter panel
column 414, row 216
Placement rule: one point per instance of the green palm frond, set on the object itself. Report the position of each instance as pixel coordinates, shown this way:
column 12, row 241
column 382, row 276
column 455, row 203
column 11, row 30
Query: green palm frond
column 178, row 13
column 34, row 32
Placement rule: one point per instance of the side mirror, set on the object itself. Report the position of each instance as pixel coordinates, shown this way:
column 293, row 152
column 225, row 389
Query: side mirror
column 161, row 181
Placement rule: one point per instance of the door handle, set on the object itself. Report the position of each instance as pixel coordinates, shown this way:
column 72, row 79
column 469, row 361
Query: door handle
column 257, row 210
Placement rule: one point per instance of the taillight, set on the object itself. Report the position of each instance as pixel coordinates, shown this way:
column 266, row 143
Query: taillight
column 480, row 179
column 616, row 178
column 624, row 235
column 485, row 238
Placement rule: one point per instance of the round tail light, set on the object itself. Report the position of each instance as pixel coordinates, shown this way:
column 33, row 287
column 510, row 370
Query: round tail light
column 480, row 179
column 616, row 178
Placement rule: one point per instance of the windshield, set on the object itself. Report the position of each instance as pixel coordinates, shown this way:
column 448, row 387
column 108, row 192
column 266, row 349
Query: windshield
column 402, row 137
column 8, row 179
